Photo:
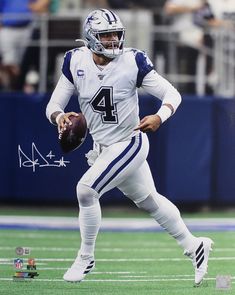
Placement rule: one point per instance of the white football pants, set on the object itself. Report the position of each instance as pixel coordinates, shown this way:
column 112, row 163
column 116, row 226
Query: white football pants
column 122, row 165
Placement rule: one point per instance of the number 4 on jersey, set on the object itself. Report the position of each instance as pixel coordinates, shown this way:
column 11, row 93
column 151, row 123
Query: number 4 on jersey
column 102, row 103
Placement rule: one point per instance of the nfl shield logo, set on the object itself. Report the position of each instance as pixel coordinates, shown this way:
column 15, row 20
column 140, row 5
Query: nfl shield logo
column 18, row 263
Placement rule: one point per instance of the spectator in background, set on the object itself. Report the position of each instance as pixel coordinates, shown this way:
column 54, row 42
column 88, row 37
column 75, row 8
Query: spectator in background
column 213, row 15
column 205, row 18
column 191, row 21
column 182, row 17
column 15, row 35
column 190, row 36
column 224, row 10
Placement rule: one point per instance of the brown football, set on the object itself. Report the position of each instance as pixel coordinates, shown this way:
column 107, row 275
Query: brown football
column 74, row 135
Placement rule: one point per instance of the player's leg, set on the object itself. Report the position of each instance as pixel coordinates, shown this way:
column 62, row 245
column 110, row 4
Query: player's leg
column 141, row 189
column 113, row 165
column 89, row 222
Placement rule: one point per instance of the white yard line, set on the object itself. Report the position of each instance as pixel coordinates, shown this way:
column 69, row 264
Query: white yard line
column 119, row 280
column 125, row 224
column 2, row 260
column 98, row 249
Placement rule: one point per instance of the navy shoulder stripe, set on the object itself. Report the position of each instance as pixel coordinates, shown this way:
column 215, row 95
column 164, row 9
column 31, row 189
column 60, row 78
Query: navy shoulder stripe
column 144, row 65
column 66, row 66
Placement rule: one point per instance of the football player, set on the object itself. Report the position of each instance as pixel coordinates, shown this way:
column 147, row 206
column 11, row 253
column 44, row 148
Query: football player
column 106, row 76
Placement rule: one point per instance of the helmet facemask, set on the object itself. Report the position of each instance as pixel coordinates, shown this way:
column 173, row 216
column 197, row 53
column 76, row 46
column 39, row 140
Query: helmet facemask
column 111, row 48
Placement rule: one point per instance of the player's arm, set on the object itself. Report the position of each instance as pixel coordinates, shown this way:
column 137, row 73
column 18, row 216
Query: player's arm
column 59, row 99
column 61, row 96
column 159, row 87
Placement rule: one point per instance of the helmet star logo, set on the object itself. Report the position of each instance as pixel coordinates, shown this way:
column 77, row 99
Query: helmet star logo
column 91, row 18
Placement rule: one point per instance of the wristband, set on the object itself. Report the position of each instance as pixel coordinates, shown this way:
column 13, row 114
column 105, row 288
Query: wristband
column 58, row 118
column 164, row 113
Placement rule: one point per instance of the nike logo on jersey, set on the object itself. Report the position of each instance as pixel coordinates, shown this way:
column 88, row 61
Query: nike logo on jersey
column 100, row 76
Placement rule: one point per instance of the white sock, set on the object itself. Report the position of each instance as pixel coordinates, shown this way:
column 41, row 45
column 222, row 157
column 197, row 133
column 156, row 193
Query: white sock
column 168, row 216
column 89, row 221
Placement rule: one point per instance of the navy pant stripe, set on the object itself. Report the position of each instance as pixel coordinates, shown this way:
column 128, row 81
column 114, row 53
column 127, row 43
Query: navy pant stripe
column 116, row 160
column 123, row 165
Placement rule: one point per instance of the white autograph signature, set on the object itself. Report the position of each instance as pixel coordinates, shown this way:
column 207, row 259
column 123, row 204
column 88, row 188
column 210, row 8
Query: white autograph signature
column 38, row 160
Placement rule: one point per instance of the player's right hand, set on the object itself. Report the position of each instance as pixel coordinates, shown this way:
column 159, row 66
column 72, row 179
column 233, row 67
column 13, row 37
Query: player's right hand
column 64, row 120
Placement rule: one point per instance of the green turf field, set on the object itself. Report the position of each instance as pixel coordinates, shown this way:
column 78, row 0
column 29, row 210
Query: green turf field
column 108, row 211
column 126, row 263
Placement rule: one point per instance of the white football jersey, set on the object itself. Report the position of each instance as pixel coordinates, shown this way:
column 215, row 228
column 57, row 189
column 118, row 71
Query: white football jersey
column 108, row 96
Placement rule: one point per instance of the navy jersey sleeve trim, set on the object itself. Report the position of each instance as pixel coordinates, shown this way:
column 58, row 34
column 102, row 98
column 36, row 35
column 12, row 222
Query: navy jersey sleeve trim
column 66, row 67
column 144, row 65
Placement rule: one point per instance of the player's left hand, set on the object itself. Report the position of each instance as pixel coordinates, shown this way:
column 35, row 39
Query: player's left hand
column 149, row 123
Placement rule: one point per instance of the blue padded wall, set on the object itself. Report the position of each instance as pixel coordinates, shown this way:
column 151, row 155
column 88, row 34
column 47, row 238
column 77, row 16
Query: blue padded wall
column 192, row 156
